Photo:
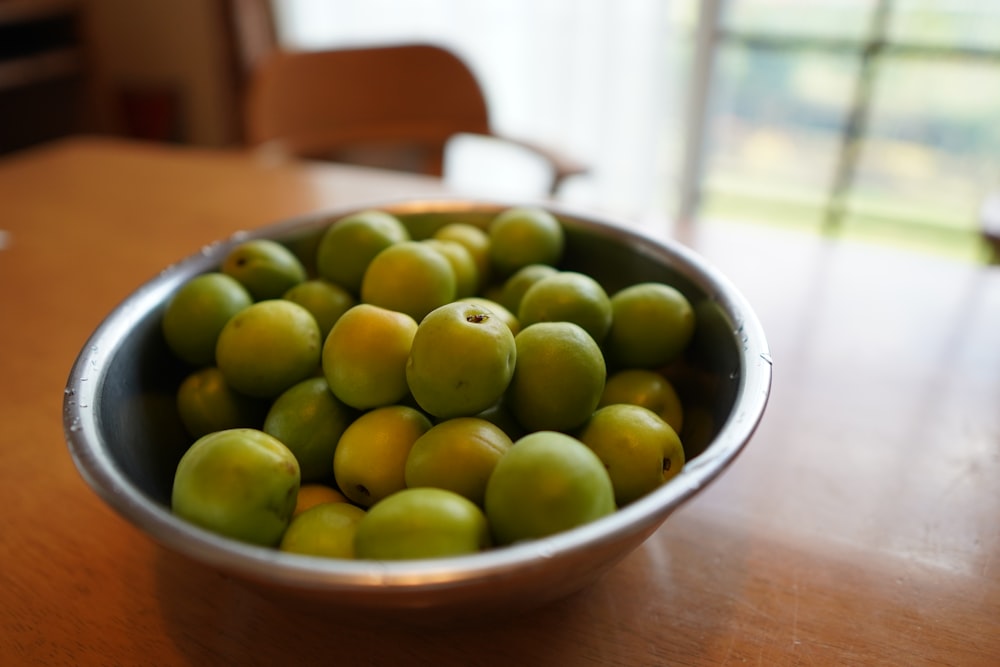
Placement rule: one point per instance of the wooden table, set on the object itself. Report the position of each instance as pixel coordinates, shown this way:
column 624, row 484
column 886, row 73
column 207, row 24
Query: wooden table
column 860, row 526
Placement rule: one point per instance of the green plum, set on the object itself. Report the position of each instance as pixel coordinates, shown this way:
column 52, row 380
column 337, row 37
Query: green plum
column 267, row 347
column 639, row 449
column 309, row 420
column 652, row 325
column 241, row 483
column 548, row 482
column 206, row 403
column 349, row 244
column 421, row 523
column 521, row 236
column 265, row 267
column 458, row 455
column 370, row 461
column 325, row 300
column 483, row 346
column 512, row 290
column 327, row 529
column 196, row 313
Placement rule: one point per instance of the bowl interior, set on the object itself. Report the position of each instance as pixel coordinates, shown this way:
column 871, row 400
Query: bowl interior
column 126, row 437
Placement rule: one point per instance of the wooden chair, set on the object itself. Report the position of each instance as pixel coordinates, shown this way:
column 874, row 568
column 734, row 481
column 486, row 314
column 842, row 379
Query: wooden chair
column 389, row 106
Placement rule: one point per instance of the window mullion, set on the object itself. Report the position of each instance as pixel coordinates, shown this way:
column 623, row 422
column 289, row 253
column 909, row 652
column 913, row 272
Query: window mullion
column 857, row 121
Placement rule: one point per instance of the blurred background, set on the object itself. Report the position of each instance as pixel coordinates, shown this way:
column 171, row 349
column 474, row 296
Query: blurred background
column 871, row 119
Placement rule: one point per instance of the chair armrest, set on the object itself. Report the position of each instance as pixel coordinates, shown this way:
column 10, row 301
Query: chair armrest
column 563, row 165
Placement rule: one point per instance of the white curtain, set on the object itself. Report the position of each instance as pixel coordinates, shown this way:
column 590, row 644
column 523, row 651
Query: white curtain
column 601, row 80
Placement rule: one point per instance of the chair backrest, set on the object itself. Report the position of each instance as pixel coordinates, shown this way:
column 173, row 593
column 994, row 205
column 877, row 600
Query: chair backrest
column 391, row 106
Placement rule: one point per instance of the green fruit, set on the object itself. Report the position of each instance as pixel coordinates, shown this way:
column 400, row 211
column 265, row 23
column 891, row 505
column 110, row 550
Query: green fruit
column 269, row 346
column 327, row 529
column 652, row 324
column 409, row 277
column 505, row 315
column 325, row 300
column 370, row 461
column 349, row 245
column 547, row 483
column 364, row 356
column 462, row 263
column 461, row 360
column 513, row 289
column 476, row 241
column 316, row 493
column 523, row 236
column 206, row 403
column 196, row 313
column 639, row 450
column 309, row 420
column 266, row 268
column 558, row 379
column 567, row 296
column 240, row 483
column 457, row 455
column 647, row 388
column 421, row 523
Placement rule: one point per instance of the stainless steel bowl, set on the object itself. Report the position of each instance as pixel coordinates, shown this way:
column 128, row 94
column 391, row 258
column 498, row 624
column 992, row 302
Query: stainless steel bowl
column 125, row 436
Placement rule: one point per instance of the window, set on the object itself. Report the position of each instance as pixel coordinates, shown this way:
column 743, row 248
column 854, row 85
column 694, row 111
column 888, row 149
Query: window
column 857, row 117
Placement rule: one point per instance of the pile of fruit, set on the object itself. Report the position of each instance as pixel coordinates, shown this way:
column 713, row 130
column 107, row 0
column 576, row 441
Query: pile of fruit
column 386, row 397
